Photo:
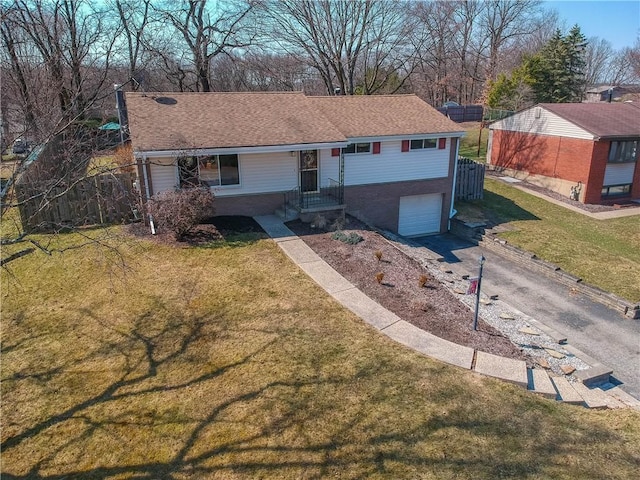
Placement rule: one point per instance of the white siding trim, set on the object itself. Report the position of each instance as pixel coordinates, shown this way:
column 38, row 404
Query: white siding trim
column 538, row 120
column 263, row 173
column 393, row 165
column 619, row 173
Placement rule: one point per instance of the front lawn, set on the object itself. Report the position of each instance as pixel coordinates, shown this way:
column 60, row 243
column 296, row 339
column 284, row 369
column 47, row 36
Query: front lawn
column 605, row 253
column 226, row 361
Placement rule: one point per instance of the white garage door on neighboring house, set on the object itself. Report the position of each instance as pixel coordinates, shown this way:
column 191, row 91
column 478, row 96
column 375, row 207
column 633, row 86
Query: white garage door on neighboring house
column 420, row 214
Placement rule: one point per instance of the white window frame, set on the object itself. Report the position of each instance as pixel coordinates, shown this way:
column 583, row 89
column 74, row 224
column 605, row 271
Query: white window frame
column 422, row 144
column 199, row 159
column 355, row 148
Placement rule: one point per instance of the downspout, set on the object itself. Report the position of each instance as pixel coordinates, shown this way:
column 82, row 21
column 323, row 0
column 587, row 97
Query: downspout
column 148, row 193
column 453, row 211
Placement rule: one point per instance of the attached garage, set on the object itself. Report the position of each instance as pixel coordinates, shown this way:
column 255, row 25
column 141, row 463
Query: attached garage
column 420, row 214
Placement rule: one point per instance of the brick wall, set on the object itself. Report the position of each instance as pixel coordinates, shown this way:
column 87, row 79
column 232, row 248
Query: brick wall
column 570, row 159
column 380, row 204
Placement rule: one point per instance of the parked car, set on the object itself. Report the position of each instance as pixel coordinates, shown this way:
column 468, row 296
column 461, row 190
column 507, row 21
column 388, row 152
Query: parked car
column 450, row 104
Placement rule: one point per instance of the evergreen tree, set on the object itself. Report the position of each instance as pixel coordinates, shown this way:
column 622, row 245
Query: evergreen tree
column 557, row 71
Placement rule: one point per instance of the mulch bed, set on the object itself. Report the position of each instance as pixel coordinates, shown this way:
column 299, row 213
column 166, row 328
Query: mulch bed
column 213, row 229
column 433, row 308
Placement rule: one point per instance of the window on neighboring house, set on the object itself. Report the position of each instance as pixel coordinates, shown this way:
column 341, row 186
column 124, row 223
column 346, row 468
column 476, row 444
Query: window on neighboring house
column 213, row 170
column 623, row 151
column 616, row 190
column 423, row 143
column 357, row 148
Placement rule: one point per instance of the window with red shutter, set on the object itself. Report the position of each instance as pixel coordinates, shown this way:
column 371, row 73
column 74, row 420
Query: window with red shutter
column 335, row 152
column 405, row 145
column 442, row 143
column 376, row 148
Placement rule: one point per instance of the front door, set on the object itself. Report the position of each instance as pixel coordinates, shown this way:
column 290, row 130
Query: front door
column 308, row 171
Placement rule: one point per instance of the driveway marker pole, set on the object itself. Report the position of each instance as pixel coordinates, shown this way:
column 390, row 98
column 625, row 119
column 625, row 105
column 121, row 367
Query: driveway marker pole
column 475, row 317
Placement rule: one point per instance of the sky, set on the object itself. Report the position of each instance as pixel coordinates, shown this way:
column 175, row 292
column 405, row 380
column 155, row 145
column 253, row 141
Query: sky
column 615, row 21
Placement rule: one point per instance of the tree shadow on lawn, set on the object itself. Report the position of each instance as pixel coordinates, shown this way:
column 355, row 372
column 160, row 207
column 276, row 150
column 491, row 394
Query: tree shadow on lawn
column 187, row 395
column 496, row 209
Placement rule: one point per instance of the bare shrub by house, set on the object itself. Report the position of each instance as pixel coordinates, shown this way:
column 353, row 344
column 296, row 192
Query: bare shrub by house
column 180, row 211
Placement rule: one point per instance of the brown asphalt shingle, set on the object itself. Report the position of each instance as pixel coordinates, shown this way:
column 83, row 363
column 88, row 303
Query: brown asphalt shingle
column 219, row 120
column 604, row 120
column 227, row 120
column 383, row 115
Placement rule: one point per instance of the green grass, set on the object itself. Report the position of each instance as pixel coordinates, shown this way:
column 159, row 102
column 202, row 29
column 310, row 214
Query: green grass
column 469, row 143
column 228, row 362
column 605, row 253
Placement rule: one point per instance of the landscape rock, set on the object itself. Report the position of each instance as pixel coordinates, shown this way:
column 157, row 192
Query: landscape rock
column 567, row 369
column 543, row 362
column 529, row 331
column 554, row 353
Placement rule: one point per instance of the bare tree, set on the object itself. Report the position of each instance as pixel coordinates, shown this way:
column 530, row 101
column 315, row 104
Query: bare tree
column 209, row 29
column 134, row 17
column 361, row 43
column 505, row 21
column 73, row 41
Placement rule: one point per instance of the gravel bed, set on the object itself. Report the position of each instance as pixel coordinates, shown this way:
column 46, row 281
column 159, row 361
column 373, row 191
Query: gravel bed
column 494, row 311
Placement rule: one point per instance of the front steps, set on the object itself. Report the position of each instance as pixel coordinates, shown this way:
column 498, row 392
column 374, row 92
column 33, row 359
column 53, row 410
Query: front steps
column 603, row 395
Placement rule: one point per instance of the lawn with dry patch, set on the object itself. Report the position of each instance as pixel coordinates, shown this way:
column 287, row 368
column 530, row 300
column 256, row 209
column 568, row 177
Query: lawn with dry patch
column 226, row 361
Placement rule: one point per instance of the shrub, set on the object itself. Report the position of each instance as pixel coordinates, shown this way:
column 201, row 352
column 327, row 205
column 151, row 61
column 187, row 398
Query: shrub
column 378, row 255
column 352, row 238
column 422, row 281
column 379, row 277
column 180, row 211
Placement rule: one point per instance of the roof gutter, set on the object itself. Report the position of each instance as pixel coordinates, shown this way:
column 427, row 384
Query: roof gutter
column 239, row 150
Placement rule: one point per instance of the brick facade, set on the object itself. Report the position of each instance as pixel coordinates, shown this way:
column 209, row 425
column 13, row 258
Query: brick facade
column 557, row 157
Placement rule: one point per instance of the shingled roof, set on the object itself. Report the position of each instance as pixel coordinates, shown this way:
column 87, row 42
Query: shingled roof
column 604, row 120
column 383, row 115
column 172, row 121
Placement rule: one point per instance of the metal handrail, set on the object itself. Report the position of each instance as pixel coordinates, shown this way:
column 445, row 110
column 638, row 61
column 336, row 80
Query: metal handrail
column 325, row 196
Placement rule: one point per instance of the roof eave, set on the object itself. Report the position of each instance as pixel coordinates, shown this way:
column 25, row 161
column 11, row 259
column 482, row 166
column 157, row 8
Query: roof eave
column 239, row 150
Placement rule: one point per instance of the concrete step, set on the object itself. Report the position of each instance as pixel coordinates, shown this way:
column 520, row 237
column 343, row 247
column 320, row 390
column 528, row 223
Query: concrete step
column 514, row 371
column 289, row 215
column 595, row 375
column 593, row 397
column 540, row 383
column 623, row 397
column 566, row 393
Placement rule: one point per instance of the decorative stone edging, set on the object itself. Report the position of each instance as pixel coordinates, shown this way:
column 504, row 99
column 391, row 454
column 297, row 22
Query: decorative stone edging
column 529, row 260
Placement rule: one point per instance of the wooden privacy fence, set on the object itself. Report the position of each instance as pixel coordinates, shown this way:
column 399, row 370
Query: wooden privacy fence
column 469, row 179
column 463, row 113
column 101, row 199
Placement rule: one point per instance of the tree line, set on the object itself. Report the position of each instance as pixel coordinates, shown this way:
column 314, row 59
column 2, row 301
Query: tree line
column 61, row 58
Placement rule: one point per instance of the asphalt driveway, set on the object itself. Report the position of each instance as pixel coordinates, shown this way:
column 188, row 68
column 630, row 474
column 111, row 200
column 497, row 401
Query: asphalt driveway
column 598, row 331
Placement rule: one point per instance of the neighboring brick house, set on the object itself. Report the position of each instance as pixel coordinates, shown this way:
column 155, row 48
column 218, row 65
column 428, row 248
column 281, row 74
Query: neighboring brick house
column 389, row 159
column 584, row 150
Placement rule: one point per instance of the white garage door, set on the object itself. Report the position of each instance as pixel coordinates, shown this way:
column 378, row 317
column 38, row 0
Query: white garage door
column 420, row 214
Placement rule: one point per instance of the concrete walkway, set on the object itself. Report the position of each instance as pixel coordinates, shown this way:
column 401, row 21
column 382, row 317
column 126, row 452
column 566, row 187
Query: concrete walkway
column 388, row 323
column 382, row 319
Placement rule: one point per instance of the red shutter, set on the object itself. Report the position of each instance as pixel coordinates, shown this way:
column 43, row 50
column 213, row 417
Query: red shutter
column 335, row 152
column 442, row 143
column 405, row 145
column 376, row 147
